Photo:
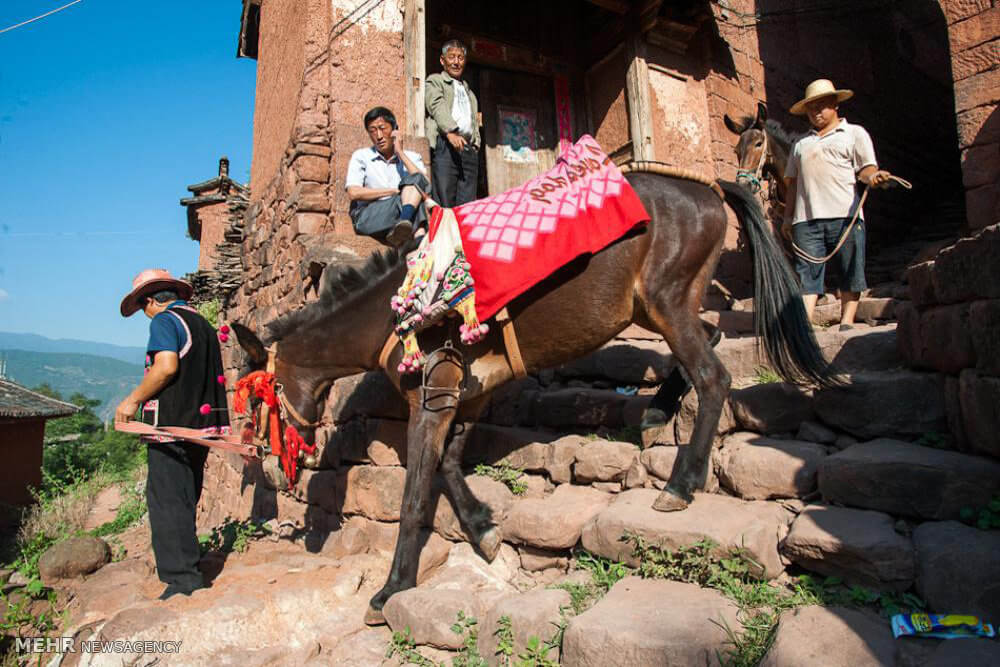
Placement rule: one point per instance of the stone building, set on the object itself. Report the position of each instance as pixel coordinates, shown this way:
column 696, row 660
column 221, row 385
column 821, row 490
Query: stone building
column 649, row 79
column 22, row 430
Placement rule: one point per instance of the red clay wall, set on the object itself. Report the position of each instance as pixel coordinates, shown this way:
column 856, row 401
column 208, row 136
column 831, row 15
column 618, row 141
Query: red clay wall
column 213, row 218
column 21, row 451
column 280, row 63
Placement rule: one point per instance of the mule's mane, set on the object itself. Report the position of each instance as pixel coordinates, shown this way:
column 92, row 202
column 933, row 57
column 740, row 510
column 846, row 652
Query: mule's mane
column 337, row 287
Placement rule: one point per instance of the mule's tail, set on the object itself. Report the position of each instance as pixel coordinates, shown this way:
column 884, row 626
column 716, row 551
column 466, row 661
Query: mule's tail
column 780, row 320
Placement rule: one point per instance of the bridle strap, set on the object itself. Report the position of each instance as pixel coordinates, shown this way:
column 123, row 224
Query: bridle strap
column 390, row 344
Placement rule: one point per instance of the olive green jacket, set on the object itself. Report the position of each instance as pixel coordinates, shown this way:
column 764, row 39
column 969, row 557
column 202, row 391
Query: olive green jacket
column 439, row 96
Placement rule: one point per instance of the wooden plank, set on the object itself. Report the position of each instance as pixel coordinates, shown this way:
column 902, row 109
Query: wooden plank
column 640, row 112
column 414, row 48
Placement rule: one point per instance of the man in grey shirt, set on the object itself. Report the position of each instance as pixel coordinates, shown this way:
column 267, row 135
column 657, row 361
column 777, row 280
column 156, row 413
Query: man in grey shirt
column 452, row 126
column 386, row 184
column 821, row 174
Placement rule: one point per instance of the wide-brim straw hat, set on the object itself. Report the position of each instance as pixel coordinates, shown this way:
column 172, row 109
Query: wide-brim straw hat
column 817, row 89
column 149, row 282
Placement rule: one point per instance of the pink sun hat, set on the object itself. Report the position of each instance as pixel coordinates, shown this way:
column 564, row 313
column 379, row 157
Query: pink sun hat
column 149, row 282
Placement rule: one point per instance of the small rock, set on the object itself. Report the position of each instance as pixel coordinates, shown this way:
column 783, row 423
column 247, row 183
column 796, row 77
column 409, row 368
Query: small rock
column 811, row 431
column 832, row 637
column 651, row 622
column 495, row 495
column 604, row 461
column 17, row 579
column 535, row 613
column 536, row 486
column 857, row 545
column 772, row 407
column 636, row 475
column 562, row 456
column 844, row 441
column 73, row 557
column 556, row 521
column 758, row 468
column 958, row 570
column 536, row 560
column 607, row 487
column 430, row 613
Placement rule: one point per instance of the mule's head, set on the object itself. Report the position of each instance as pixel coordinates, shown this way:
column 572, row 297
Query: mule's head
column 752, row 147
column 295, row 383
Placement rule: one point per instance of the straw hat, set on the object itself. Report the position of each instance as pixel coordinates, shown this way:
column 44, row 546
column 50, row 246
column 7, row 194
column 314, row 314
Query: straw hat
column 149, row 282
column 817, row 89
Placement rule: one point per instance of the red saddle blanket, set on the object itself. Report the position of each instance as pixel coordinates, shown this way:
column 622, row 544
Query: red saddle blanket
column 516, row 239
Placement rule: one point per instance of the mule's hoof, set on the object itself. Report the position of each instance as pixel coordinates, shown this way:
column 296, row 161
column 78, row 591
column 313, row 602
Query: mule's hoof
column 374, row 616
column 490, row 543
column 668, row 502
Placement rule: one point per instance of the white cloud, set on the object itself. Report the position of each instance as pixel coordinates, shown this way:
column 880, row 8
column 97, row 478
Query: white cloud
column 3, row 294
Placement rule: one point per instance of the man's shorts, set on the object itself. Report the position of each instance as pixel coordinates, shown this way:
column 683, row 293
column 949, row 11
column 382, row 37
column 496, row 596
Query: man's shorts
column 377, row 217
column 818, row 238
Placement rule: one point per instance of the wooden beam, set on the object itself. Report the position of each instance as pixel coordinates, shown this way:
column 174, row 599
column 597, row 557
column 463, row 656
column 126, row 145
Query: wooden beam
column 414, row 48
column 640, row 112
column 616, row 6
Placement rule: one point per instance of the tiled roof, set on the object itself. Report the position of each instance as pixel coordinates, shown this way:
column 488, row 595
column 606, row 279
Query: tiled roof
column 17, row 401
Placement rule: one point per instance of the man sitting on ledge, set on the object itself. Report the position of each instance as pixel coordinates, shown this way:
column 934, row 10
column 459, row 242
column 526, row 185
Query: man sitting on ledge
column 385, row 183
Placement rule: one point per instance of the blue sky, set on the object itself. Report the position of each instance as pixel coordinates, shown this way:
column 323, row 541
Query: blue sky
column 108, row 110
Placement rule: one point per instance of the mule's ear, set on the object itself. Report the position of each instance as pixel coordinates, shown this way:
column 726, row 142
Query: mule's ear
column 761, row 114
column 732, row 126
column 249, row 342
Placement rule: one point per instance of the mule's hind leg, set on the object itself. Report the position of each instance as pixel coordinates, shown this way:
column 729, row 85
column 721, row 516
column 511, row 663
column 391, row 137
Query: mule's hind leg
column 425, row 439
column 474, row 515
column 684, row 333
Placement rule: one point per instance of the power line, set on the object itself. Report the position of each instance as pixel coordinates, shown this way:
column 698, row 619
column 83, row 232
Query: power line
column 38, row 18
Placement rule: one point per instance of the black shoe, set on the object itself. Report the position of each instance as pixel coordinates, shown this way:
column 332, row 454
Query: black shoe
column 173, row 589
column 400, row 234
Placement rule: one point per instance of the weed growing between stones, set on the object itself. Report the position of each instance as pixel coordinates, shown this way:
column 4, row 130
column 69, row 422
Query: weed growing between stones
column 232, row 536
column 983, row 518
column 536, row 652
column 468, row 656
column 403, row 646
column 504, row 473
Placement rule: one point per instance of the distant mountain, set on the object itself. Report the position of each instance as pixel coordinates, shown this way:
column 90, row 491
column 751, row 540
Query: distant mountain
column 106, row 379
column 36, row 343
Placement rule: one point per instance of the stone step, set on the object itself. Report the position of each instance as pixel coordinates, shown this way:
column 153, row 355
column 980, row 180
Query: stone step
column 651, row 622
column 832, row 637
column 532, row 614
column 755, row 467
column 556, row 521
column 638, row 361
column 905, row 479
column 958, row 568
column 858, row 546
column 731, row 523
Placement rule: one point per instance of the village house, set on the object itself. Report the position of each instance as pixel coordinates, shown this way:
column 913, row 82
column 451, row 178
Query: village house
column 651, row 80
column 23, row 414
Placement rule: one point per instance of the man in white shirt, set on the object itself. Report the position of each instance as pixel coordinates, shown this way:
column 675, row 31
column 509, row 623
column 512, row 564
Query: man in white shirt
column 386, row 184
column 452, row 126
column 821, row 175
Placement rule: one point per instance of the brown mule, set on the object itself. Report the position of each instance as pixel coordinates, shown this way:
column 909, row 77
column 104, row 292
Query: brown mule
column 762, row 151
column 656, row 277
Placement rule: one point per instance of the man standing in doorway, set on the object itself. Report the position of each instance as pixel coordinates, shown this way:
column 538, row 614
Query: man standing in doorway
column 183, row 375
column 822, row 171
column 452, row 127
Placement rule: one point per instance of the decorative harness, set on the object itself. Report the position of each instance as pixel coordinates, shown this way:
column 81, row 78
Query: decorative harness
column 270, row 429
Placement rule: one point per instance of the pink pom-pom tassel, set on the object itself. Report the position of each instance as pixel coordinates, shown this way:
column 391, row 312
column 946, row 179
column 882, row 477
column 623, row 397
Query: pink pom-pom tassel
column 205, row 409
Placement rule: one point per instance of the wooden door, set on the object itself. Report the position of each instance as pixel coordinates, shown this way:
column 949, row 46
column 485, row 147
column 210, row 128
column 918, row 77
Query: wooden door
column 519, row 126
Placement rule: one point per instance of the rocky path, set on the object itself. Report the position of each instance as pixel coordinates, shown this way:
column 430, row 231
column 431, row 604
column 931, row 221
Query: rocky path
column 855, row 483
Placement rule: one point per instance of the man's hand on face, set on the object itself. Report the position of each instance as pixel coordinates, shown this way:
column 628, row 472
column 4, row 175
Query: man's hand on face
column 125, row 412
column 456, row 140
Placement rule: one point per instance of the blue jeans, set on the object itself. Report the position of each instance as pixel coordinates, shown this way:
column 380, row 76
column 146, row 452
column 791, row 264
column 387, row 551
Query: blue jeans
column 819, row 237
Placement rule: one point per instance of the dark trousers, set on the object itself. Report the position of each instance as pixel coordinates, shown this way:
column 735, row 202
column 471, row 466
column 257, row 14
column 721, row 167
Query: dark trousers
column 455, row 174
column 173, row 487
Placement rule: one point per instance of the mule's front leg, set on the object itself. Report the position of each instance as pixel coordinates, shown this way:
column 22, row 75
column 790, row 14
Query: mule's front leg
column 425, row 441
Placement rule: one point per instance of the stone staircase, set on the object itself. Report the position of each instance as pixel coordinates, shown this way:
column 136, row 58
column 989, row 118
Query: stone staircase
column 859, row 482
